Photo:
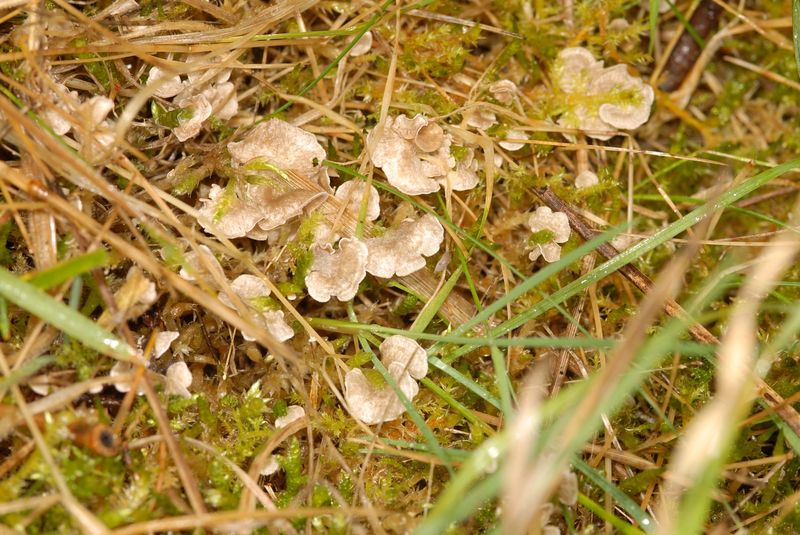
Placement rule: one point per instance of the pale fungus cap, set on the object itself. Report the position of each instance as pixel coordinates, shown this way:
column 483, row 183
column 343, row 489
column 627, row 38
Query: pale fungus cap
column 575, row 68
column 164, row 339
column 274, row 322
column 557, row 223
column 612, row 99
column 480, row 118
column 201, row 110
column 586, row 179
column 406, row 352
column 168, row 85
column 56, row 115
column 179, row 379
column 352, row 193
column 196, row 267
column 247, row 287
column 254, row 210
column 363, row 46
column 293, row 413
column 464, row 176
column 504, row 91
column 412, row 152
column 283, row 145
column 628, row 115
column 568, row 489
column 337, row 273
column 373, row 405
column 402, row 250
column 514, row 145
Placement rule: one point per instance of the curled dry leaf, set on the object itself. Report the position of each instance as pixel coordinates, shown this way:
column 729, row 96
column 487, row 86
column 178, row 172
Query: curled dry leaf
column 373, row 405
column 406, row 352
column 337, row 273
column 283, row 145
column 556, row 223
column 352, row 193
column 402, row 250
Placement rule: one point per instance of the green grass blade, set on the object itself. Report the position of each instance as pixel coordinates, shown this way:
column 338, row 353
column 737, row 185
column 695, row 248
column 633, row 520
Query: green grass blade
column 69, row 269
column 601, row 513
column 28, row 368
column 28, row 297
column 624, row 501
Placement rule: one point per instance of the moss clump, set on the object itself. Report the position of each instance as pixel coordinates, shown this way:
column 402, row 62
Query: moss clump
column 439, row 52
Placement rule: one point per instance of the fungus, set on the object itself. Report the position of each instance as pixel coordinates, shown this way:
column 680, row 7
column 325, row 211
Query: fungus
column 554, row 229
column 207, row 268
column 402, row 250
column 200, row 109
column 293, row 413
column 480, row 118
column 56, row 115
column 337, row 273
column 399, row 154
column 610, row 97
column 407, row 352
column 372, row 404
column 249, row 287
column 464, row 176
column 363, row 45
column 178, row 380
column 352, row 193
column 167, row 85
column 283, row 145
column 568, row 489
column 513, row 145
column 586, row 179
column 163, row 340
column 253, row 210
column 429, row 138
column 503, row 91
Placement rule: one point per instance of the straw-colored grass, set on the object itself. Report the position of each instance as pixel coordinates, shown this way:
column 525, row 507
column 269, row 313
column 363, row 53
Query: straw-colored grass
column 644, row 382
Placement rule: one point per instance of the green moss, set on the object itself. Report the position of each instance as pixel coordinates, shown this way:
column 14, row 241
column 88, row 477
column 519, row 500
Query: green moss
column 439, row 52
column 541, row 237
column 292, row 463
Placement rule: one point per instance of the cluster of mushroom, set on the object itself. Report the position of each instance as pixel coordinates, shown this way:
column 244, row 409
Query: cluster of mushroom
column 202, row 95
column 67, row 110
column 550, row 229
column 406, row 362
column 177, row 378
column 602, row 99
column 251, row 290
column 415, row 156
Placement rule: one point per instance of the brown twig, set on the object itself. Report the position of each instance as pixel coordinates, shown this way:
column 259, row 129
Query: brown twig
column 774, row 400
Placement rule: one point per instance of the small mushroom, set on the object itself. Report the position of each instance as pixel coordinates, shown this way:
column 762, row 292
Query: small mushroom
column 504, row 91
column 586, row 179
column 363, row 46
column 201, row 110
column 167, row 85
column 514, row 145
column 194, row 267
column 274, row 322
column 635, row 111
column 406, row 352
column 283, row 145
column 179, row 379
column 337, row 273
column 464, row 176
column 556, row 223
column 373, row 405
column 293, row 413
column 352, row 193
column 480, row 118
column 399, row 157
column 429, row 138
column 568, row 489
column 402, row 250
column 247, row 287
column 164, row 339
column 236, row 221
column 574, row 69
